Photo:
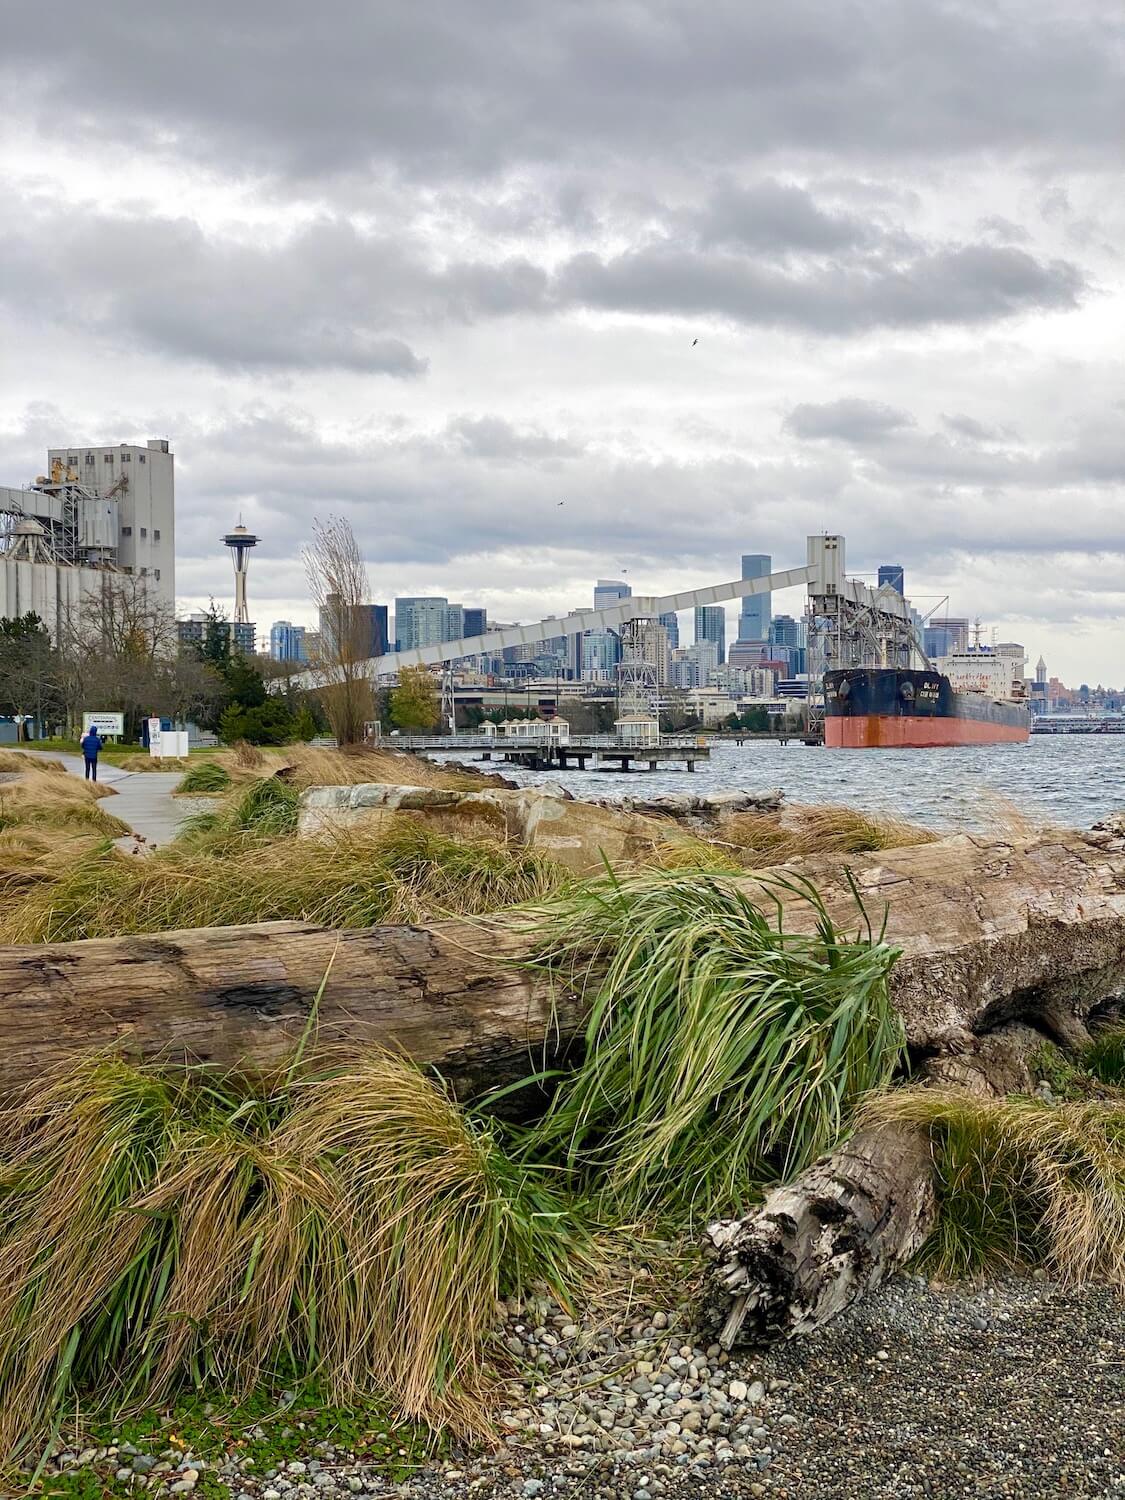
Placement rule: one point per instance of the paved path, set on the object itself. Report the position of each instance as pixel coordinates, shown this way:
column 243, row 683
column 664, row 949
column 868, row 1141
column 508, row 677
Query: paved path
column 144, row 798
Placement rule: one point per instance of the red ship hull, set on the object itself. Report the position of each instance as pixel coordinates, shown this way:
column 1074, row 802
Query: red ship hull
column 904, row 731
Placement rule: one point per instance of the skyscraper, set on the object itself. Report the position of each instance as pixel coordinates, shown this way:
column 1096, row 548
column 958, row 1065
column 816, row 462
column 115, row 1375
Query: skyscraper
column 475, row 620
column 892, row 573
column 757, row 609
column 608, row 591
column 671, row 623
column 287, row 641
column 420, row 621
column 711, row 625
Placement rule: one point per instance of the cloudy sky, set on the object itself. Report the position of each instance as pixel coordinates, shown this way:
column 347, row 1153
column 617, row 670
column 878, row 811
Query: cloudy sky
column 440, row 267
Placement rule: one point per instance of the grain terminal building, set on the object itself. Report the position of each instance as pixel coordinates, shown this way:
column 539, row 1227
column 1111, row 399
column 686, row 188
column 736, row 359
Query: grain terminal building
column 97, row 514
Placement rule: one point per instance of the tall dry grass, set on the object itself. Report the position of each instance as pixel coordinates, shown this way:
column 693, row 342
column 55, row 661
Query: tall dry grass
column 795, row 832
column 355, row 879
column 1021, row 1180
column 351, row 1226
column 310, row 765
column 46, row 795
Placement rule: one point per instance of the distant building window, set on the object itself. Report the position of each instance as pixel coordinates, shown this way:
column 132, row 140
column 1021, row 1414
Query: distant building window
column 108, row 458
column 128, row 569
column 156, row 571
column 126, row 531
column 144, row 531
column 140, row 458
column 72, row 459
column 156, row 533
column 126, row 458
column 89, row 458
column 144, row 572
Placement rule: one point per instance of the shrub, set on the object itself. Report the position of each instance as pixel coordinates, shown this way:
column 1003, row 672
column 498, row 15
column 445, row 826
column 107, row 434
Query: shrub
column 1021, row 1180
column 1105, row 1056
column 204, row 777
column 719, row 1050
column 161, row 1229
column 220, row 878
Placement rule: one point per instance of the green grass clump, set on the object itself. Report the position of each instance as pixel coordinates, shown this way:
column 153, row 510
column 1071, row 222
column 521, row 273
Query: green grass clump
column 719, row 1050
column 165, row 1230
column 269, row 1428
column 1022, row 1181
column 206, row 777
column 1105, row 1056
column 222, row 878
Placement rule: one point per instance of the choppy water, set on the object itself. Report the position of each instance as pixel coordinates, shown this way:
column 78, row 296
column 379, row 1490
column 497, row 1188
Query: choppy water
column 1069, row 780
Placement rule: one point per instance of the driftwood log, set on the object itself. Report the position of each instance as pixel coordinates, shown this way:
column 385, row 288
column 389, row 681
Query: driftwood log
column 819, row 1243
column 990, row 932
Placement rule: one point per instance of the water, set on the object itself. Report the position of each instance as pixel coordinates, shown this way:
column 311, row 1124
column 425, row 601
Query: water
column 1067, row 780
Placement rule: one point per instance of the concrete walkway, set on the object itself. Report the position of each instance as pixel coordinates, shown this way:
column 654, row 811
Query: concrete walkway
column 144, row 798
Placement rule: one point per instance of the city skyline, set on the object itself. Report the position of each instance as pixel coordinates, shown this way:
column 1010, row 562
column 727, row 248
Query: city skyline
column 589, row 293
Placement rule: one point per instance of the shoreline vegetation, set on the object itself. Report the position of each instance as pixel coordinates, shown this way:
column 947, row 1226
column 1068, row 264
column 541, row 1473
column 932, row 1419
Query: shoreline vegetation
column 347, row 1231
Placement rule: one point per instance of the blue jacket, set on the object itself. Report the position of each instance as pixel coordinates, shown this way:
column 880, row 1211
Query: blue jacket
column 91, row 744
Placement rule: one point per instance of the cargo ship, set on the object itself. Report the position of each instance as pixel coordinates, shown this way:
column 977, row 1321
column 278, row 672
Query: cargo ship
column 975, row 697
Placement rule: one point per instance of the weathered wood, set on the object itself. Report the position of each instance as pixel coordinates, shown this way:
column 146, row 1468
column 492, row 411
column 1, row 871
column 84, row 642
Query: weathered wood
column 990, row 931
column 815, row 1246
column 820, row 1243
column 244, row 994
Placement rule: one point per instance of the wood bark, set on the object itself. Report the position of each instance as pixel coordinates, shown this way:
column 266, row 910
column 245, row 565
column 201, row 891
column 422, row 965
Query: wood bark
column 820, row 1243
column 244, row 995
column 989, row 931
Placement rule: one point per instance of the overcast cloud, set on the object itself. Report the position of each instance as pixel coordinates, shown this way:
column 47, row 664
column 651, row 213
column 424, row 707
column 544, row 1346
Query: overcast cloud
column 442, row 269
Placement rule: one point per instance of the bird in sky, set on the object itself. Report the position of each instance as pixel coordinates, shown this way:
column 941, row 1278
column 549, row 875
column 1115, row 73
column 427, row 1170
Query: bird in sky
column 562, row 502
column 694, row 342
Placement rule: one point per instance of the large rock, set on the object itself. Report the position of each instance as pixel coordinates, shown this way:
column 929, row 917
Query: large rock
column 579, row 835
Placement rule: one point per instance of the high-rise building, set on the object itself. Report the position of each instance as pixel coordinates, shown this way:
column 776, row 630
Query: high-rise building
column 892, row 573
column 420, row 621
column 95, row 513
column 711, row 625
column 243, row 637
column 757, row 609
column 474, row 620
column 692, row 665
column 609, row 591
column 671, row 623
column 454, row 622
column 370, row 623
column 944, row 637
column 143, row 482
column 653, row 642
column 786, row 642
column 287, row 641
column 601, row 651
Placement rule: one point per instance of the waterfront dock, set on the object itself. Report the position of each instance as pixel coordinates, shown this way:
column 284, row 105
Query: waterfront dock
column 596, row 752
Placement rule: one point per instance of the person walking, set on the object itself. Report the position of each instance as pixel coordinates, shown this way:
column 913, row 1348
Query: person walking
column 91, row 743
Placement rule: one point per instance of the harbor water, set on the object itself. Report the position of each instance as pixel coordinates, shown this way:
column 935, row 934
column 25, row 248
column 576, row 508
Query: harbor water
column 1066, row 780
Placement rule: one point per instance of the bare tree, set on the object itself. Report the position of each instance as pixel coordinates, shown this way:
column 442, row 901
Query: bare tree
column 337, row 578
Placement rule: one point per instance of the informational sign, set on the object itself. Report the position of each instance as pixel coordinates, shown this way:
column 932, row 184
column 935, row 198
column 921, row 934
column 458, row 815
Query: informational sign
column 104, row 723
column 165, row 742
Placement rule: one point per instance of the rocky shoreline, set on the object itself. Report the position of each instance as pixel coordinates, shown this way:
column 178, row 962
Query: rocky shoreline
column 1013, row 1388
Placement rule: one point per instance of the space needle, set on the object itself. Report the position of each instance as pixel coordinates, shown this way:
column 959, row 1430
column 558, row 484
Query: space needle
column 240, row 541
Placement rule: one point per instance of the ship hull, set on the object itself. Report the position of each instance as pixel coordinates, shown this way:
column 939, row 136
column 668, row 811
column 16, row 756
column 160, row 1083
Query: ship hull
column 888, row 709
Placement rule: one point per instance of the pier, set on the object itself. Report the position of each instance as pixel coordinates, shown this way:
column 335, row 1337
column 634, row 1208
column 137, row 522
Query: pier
column 548, row 753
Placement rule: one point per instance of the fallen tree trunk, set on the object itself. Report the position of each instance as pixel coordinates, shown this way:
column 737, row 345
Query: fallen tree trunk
column 989, row 932
column 244, row 995
column 818, row 1244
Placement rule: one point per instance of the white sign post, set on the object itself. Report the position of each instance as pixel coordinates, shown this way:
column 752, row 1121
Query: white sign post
column 105, row 724
column 166, row 742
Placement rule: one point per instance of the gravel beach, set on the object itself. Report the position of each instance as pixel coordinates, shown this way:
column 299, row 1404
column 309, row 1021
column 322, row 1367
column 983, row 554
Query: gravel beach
column 1010, row 1388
